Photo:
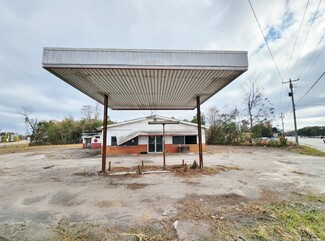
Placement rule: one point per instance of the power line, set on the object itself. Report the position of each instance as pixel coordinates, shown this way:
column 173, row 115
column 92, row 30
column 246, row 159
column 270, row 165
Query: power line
column 276, row 66
column 294, row 46
column 312, row 56
column 303, row 45
column 312, row 105
column 268, row 47
column 314, row 61
column 311, row 87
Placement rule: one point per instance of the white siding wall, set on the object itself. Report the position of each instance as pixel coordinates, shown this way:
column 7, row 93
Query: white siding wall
column 143, row 126
column 143, row 140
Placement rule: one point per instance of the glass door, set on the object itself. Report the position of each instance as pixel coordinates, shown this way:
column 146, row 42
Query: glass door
column 155, row 144
column 159, row 144
column 151, row 144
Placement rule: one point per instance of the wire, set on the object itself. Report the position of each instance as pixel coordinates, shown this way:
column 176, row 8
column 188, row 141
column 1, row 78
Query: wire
column 312, row 105
column 268, row 47
column 294, row 46
column 276, row 66
column 311, row 87
column 303, row 45
column 314, row 61
column 312, row 56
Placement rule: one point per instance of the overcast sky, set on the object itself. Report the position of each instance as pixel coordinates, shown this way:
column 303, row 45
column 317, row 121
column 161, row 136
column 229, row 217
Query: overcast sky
column 28, row 26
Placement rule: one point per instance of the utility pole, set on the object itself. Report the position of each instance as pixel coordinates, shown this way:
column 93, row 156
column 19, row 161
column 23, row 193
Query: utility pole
column 293, row 107
column 282, row 116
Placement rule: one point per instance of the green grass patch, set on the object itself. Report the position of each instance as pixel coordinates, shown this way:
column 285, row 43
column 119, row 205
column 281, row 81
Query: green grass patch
column 301, row 219
column 306, row 150
column 293, row 222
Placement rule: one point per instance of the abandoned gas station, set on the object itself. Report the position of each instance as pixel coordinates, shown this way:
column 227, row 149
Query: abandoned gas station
column 137, row 79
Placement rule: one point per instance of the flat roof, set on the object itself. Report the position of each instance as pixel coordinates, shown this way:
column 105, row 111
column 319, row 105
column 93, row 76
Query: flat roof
column 142, row 79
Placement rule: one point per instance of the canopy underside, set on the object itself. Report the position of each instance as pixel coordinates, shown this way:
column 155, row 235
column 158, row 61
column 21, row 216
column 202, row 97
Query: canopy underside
column 146, row 84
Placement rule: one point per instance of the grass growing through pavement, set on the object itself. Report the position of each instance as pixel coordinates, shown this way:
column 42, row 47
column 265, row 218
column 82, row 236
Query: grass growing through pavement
column 236, row 218
column 306, row 150
column 302, row 219
column 291, row 222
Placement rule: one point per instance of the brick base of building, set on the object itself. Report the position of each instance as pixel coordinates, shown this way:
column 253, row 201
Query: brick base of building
column 92, row 146
column 170, row 148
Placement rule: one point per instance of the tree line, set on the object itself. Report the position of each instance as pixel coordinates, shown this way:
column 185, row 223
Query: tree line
column 67, row 131
column 312, row 131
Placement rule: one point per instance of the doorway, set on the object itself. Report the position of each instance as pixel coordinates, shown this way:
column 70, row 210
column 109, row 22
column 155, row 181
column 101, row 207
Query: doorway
column 155, row 144
column 88, row 143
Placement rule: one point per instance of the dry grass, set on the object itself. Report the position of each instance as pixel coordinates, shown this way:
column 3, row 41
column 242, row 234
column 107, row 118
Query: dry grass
column 21, row 148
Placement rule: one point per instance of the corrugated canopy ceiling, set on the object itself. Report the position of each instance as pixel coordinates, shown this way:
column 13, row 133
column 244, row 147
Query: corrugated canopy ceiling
column 146, row 79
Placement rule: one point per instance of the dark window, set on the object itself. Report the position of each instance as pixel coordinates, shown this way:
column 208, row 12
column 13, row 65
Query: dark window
column 113, row 141
column 178, row 140
column 190, row 140
column 132, row 142
column 97, row 137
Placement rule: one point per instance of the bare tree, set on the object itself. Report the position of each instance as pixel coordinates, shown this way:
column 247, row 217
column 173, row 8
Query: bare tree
column 258, row 108
column 91, row 112
column 213, row 114
column 30, row 122
column 97, row 111
column 87, row 111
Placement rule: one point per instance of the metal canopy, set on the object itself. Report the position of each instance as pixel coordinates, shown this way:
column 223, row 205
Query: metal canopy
column 146, row 79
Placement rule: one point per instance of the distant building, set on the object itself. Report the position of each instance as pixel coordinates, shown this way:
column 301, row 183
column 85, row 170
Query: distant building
column 91, row 140
column 137, row 136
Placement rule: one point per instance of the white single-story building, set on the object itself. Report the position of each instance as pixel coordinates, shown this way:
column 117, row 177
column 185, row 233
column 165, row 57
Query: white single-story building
column 91, row 140
column 137, row 136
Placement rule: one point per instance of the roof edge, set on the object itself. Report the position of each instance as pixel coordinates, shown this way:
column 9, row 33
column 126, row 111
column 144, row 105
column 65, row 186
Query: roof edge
column 152, row 117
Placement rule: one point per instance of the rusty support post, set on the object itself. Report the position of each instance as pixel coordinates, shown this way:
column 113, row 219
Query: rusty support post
column 139, row 169
column 104, row 142
column 109, row 166
column 183, row 162
column 164, row 151
column 142, row 163
column 199, row 130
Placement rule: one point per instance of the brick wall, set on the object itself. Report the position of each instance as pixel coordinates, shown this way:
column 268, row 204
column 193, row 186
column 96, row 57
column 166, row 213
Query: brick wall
column 170, row 148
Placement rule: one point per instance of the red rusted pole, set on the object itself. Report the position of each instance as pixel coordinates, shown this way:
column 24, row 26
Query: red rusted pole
column 199, row 130
column 104, row 142
column 164, row 151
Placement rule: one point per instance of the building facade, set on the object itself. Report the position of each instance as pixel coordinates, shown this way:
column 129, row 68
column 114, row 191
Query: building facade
column 91, row 140
column 138, row 137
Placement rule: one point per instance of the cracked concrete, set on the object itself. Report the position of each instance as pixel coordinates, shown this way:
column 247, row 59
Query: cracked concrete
column 31, row 195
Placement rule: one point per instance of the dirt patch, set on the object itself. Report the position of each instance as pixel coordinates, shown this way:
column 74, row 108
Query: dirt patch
column 65, row 199
column 303, row 174
column 86, row 174
column 32, row 200
column 188, row 171
column 134, row 186
column 178, row 170
column 201, row 207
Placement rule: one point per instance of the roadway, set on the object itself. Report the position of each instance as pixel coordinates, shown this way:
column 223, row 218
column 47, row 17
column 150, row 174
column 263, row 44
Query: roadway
column 316, row 143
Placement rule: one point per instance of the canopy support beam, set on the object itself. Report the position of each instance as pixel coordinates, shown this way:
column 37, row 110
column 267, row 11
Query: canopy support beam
column 199, row 130
column 163, row 123
column 104, row 142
